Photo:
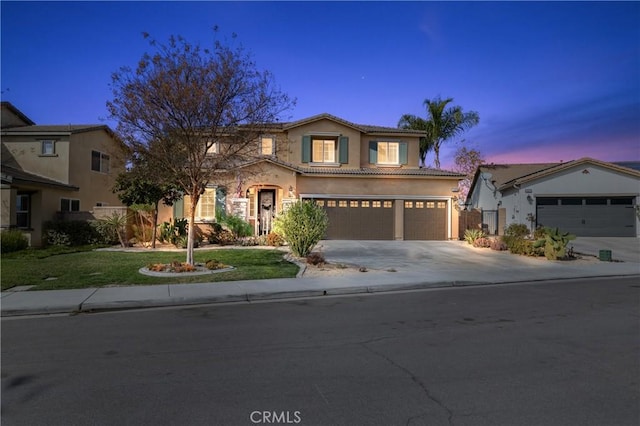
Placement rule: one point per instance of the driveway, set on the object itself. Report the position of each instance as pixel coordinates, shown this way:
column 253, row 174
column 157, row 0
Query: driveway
column 457, row 256
column 626, row 249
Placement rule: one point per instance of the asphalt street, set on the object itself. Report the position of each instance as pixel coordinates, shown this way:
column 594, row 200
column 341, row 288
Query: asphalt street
column 552, row 353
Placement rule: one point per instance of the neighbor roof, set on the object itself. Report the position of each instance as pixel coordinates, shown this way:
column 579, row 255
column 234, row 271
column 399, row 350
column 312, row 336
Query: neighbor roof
column 504, row 176
column 14, row 175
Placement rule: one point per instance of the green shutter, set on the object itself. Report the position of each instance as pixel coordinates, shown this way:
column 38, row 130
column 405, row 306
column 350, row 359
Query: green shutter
column 343, row 147
column 403, row 153
column 373, row 152
column 306, row 149
column 178, row 209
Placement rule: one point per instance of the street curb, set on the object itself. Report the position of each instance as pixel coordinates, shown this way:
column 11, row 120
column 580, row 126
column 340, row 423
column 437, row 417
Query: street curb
column 88, row 307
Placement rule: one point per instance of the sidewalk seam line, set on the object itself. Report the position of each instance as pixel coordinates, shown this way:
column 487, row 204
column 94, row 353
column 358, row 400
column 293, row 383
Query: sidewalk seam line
column 87, row 298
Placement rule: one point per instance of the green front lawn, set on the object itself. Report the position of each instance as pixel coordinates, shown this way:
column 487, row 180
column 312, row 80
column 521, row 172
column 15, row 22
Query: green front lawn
column 100, row 268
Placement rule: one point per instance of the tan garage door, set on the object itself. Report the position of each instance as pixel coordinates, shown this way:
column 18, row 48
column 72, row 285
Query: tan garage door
column 425, row 220
column 358, row 219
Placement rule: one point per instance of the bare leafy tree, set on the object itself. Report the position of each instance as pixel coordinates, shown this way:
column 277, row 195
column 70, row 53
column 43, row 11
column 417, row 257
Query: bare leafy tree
column 195, row 112
column 442, row 123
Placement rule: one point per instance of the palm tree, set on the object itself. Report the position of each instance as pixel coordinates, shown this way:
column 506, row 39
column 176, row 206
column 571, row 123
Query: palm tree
column 442, row 124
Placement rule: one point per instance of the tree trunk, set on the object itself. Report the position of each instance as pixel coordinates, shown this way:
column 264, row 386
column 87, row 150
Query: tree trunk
column 154, row 232
column 195, row 197
column 436, row 152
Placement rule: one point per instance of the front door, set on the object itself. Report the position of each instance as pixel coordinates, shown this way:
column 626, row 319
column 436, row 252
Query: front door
column 266, row 210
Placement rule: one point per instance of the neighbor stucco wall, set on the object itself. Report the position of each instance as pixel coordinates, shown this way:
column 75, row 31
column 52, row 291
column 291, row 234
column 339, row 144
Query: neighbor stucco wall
column 94, row 186
column 26, row 154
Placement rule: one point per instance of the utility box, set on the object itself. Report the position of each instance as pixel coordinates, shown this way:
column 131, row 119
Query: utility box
column 604, row 255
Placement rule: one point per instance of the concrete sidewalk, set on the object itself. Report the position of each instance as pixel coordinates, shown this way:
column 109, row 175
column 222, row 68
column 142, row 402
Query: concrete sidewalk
column 479, row 267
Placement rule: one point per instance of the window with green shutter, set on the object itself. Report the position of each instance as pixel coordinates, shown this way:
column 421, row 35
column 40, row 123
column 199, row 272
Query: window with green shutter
column 391, row 153
column 321, row 149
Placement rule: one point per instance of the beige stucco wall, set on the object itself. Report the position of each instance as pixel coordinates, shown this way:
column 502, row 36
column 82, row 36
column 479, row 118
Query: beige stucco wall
column 381, row 185
column 94, row 186
column 324, row 126
column 8, row 206
column 25, row 153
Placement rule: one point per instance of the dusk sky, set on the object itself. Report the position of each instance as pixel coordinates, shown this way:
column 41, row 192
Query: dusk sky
column 551, row 81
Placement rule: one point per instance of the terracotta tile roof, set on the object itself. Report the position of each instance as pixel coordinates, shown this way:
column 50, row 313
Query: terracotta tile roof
column 501, row 174
column 362, row 171
column 364, row 128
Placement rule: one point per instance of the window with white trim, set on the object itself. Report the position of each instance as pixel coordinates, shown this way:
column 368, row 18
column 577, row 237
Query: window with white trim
column 47, row 147
column 213, row 149
column 323, row 150
column 267, row 145
column 100, row 162
column 209, row 202
column 388, row 153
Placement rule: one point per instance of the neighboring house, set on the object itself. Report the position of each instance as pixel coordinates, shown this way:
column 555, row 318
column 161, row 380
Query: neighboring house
column 367, row 178
column 50, row 170
column 586, row 197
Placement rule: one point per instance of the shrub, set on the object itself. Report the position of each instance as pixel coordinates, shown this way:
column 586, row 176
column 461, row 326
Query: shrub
column 302, row 225
column 239, row 227
column 274, row 240
column 12, row 240
column 516, row 230
column 554, row 243
column 219, row 235
column 498, row 244
column 213, row 264
column 316, row 259
column 173, row 232
column 483, row 242
column 470, row 235
column 72, row 233
column 116, row 224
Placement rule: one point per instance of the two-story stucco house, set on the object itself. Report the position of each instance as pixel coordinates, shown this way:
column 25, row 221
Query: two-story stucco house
column 366, row 177
column 586, row 197
column 48, row 169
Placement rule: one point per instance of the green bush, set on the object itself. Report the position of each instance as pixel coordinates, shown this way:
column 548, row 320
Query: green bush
column 554, row 243
column 516, row 230
column 302, row 225
column 239, row 227
column 114, row 226
column 174, row 231
column 12, row 240
column 71, row 233
column 470, row 235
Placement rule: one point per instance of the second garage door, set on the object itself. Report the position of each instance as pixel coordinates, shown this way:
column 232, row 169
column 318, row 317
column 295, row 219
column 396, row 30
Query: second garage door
column 589, row 216
column 359, row 219
column 425, row 220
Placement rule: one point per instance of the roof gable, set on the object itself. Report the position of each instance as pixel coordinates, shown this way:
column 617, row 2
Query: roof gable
column 362, row 128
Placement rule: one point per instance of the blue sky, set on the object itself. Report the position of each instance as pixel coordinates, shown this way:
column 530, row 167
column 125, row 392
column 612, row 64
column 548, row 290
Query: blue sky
column 551, row 81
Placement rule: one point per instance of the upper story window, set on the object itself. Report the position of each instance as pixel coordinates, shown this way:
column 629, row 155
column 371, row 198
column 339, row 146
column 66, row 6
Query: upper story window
column 267, row 145
column 388, row 153
column 99, row 162
column 214, row 149
column 325, row 149
column 48, row 147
